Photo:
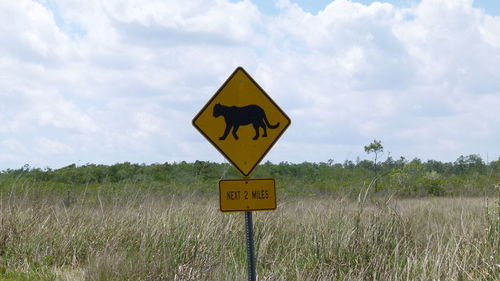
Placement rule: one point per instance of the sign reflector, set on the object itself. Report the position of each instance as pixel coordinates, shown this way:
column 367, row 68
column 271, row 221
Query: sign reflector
column 247, row 195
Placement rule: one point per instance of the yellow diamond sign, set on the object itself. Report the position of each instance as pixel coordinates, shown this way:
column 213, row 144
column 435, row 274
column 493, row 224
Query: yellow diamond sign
column 242, row 121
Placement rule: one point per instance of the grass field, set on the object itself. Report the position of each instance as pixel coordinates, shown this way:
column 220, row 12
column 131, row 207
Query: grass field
column 150, row 237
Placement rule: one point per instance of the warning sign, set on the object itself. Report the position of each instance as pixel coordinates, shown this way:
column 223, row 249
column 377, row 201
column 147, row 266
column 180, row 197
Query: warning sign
column 242, row 121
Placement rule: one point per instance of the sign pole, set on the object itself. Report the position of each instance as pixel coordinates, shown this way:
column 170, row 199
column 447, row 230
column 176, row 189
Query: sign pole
column 250, row 248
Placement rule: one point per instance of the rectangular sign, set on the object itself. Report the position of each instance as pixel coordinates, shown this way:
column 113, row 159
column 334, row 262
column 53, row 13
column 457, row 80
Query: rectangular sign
column 247, row 195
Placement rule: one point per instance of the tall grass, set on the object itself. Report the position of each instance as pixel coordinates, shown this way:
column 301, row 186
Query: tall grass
column 146, row 236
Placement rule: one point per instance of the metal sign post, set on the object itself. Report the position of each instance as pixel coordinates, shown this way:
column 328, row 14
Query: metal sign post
column 250, row 248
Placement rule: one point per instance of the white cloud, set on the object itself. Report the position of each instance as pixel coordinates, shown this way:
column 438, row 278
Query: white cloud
column 113, row 81
column 48, row 147
column 28, row 33
column 13, row 145
column 446, row 41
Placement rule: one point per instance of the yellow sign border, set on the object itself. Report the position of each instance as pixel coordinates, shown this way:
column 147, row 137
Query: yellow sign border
column 248, row 208
column 239, row 68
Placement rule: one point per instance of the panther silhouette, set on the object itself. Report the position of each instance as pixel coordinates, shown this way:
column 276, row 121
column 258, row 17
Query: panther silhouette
column 235, row 117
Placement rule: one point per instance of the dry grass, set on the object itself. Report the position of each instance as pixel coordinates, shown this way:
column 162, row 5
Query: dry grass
column 149, row 237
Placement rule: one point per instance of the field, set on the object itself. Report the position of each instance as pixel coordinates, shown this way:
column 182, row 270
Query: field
column 148, row 235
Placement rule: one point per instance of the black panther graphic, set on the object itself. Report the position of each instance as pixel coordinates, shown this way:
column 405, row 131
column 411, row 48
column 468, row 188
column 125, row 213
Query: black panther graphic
column 235, row 117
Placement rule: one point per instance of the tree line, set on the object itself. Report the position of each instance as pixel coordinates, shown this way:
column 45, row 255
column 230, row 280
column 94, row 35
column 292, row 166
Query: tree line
column 468, row 175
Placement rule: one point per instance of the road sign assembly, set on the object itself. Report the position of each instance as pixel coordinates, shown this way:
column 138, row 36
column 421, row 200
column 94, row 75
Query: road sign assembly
column 243, row 123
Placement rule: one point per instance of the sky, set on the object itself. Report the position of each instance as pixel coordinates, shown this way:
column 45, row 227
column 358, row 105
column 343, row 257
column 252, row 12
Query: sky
column 116, row 81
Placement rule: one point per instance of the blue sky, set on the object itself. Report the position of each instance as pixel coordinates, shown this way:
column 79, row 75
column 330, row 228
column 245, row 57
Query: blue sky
column 114, row 81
